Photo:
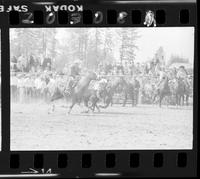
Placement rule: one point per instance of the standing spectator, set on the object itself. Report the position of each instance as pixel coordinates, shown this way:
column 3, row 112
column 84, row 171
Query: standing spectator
column 108, row 68
column 115, row 70
column 46, row 63
column 136, row 69
column 14, row 59
column 37, row 63
column 182, row 73
column 66, row 69
column 136, row 90
column 31, row 63
column 120, row 69
column 145, row 69
column 14, row 64
column 173, row 73
column 13, row 85
column 75, row 69
column 22, row 63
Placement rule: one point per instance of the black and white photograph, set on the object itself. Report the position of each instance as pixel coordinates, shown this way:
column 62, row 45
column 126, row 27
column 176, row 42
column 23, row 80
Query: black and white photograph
column 0, row 91
column 101, row 88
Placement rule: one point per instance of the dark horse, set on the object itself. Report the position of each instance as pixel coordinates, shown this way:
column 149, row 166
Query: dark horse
column 163, row 91
column 110, row 89
column 181, row 91
column 80, row 90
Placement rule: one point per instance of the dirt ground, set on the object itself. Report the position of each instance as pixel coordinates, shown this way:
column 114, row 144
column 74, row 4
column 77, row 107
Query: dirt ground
column 141, row 127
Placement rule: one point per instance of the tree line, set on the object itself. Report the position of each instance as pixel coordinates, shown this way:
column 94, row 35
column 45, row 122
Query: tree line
column 92, row 46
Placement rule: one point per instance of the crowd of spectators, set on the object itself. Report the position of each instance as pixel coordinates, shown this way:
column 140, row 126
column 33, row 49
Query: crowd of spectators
column 30, row 76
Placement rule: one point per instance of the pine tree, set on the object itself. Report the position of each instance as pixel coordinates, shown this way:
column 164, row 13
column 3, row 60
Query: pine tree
column 128, row 44
column 108, row 44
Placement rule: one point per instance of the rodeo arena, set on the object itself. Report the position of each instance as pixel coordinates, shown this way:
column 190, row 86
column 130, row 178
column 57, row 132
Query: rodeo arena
column 131, row 84
column 146, row 101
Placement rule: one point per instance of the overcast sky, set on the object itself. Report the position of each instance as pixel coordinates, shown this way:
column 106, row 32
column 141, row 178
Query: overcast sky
column 175, row 40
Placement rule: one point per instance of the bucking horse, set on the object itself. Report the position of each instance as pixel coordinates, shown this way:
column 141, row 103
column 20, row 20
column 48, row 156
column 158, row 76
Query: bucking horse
column 80, row 91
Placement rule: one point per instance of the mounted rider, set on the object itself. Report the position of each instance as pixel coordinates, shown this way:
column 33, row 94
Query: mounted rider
column 75, row 71
column 99, row 87
column 182, row 75
column 162, row 76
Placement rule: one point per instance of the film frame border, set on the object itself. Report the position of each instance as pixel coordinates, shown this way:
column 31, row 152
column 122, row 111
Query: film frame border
column 75, row 160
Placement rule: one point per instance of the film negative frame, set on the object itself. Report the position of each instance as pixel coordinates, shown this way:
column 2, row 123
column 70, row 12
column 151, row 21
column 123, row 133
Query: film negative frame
column 113, row 163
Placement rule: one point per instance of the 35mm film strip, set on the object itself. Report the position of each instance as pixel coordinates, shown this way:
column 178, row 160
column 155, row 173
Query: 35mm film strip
column 98, row 88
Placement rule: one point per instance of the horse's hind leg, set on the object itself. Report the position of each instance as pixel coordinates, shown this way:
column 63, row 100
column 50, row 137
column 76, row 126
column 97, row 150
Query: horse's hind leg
column 125, row 99
column 154, row 98
column 72, row 105
column 133, row 99
column 86, row 101
column 111, row 101
column 176, row 100
column 169, row 100
column 160, row 100
column 181, row 100
column 91, row 105
column 52, row 100
column 97, row 107
column 94, row 104
column 187, row 100
column 53, row 108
